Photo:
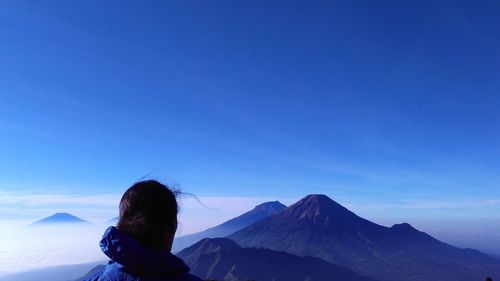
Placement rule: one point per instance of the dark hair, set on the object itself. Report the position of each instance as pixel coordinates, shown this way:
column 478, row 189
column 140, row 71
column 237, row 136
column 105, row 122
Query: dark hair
column 148, row 212
column 489, row 279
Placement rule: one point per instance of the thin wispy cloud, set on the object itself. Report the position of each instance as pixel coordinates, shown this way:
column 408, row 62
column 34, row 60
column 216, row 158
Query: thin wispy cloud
column 416, row 207
column 451, row 204
column 54, row 199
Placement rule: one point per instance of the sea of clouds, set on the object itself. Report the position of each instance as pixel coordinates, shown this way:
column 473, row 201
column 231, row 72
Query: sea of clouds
column 25, row 247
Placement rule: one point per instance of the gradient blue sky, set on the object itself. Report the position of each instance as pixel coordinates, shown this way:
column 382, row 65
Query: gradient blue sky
column 392, row 107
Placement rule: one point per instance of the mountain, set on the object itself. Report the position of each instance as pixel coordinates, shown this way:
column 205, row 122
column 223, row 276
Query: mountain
column 223, row 259
column 113, row 220
column 259, row 212
column 60, row 218
column 318, row 226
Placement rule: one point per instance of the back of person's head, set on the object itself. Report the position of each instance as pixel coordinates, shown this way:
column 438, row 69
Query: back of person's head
column 148, row 213
column 489, row 279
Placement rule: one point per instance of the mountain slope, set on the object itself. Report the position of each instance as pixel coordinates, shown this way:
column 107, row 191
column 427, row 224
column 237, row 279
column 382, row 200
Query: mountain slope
column 259, row 212
column 223, row 259
column 59, row 218
column 318, row 226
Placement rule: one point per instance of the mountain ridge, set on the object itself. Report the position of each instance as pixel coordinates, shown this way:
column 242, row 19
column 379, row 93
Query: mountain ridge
column 259, row 212
column 224, row 259
column 318, row 226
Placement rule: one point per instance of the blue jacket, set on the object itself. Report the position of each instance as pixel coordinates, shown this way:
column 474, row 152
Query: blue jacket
column 130, row 261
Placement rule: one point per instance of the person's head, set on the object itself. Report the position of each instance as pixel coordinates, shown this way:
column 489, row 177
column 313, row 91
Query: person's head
column 489, row 279
column 148, row 213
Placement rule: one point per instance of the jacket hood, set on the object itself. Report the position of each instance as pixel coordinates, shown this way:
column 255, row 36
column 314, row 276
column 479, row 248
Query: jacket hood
column 133, row 256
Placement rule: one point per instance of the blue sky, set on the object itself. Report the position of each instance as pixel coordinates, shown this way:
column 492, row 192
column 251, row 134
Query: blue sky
column 391, row 107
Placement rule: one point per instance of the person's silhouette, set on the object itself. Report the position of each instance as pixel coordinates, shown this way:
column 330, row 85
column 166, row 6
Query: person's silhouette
column 139, row 246
column 489, row 279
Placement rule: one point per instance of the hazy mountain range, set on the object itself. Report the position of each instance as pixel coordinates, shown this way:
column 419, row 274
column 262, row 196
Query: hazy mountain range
column 259, row 212
column 318, row 239
column 223, row 259
column 318, row 226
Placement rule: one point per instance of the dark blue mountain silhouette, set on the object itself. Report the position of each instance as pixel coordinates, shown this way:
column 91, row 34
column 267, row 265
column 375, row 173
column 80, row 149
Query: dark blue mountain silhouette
column 259, row 212
column 318, row 226
column 224, row 259
column 60, row 218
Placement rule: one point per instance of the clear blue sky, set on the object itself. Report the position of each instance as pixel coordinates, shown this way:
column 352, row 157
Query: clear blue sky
column 379, row 102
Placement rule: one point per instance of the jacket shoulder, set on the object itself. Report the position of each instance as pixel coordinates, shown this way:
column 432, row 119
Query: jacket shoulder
column 114, row 272
column 193, row 278
column 94, row 275
column 110, row 272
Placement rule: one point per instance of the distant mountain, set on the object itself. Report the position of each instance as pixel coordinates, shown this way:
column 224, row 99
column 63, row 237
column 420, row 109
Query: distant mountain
column 60, row 218
column 113, row 220
column 223, row 259
column 259, row 212
column 318, row 226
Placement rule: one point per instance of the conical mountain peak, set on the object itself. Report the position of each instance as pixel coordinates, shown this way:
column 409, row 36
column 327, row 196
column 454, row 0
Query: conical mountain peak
column 60, row 218
column 403, row 227
column 318, row 226
column 319, row 207
column 270, row 207
column 260, row 212
column 318, row 199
